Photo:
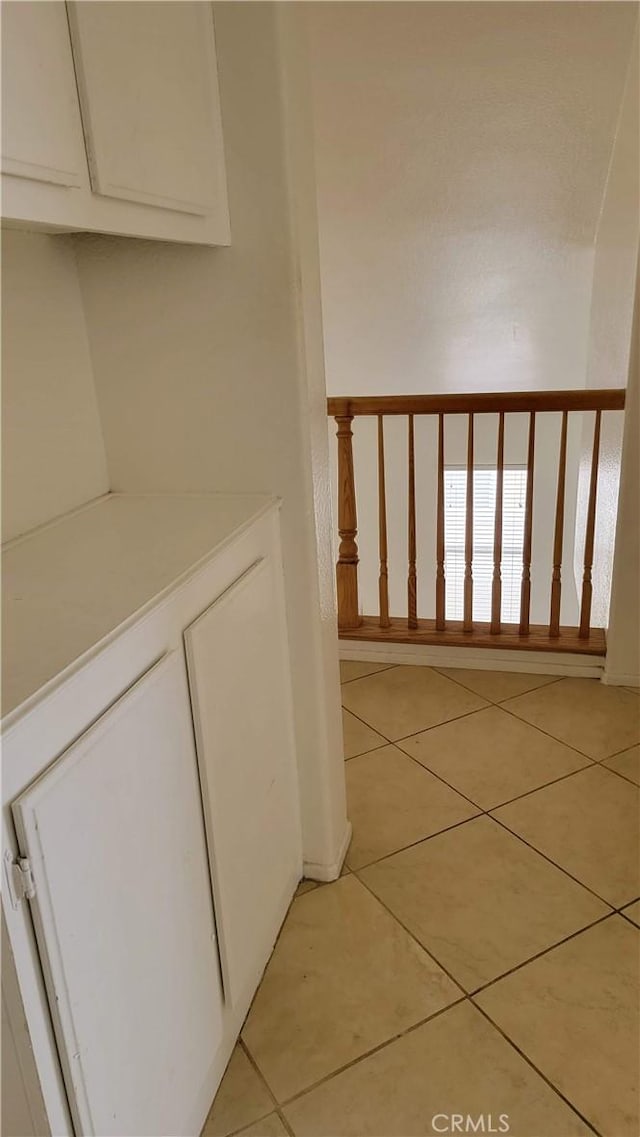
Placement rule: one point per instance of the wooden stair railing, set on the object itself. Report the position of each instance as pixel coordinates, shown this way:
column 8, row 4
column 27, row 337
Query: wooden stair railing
column 411, row 629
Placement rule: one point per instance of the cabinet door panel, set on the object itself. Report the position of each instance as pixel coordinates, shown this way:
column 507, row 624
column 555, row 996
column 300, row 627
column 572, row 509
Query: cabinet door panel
column 149, row 94
column 41, row 127
column 236, row 653
column 123, row 912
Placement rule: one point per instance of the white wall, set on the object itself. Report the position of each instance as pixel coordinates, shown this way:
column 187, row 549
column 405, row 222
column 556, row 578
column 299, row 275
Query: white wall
column 322, row 656
column 462, row 154
column 614, row 276
column 623, row 641
column 200, row 384
column 53, row 454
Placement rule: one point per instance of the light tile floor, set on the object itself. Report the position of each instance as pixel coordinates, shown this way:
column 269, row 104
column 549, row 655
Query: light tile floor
column 480, row 954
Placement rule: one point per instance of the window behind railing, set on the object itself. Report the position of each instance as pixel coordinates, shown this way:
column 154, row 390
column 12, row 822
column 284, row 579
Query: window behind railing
column 484, row 505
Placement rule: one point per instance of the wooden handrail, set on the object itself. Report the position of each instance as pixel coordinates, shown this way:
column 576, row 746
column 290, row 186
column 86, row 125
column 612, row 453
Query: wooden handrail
column 609, row 399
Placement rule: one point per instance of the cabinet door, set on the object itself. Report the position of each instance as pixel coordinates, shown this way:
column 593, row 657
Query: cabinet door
column 123, row 913
column 149, row 95
column 41, row 126
column 238, row 673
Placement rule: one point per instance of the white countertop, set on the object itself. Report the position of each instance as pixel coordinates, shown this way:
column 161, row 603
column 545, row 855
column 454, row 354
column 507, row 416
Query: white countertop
column 69, row 584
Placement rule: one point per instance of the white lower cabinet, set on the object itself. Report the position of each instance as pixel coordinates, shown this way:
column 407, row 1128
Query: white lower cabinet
column 151, row 840
column 113, row 831
column 236, row 660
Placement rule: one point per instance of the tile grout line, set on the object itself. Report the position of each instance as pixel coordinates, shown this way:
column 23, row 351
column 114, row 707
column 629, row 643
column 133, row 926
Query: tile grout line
column 470, row 996
column 374, row 1050
column 388, row 667
column 589, row 762
column 617, row 754
column 627, row 904
column 392, row 741
column 414, row 844
column 539, row 954
column 241, row 1041
column 240, row 1131
column 501, row 704
column 486, row 813
column 275, row 1103
column 546, row 733
column 454, row 718
column 471, row 993
column 533, row 1066
column 619, row 773
column 467, row 997
column 552, row 862
column 413, row 936
column 552, row 679
column 368, row 726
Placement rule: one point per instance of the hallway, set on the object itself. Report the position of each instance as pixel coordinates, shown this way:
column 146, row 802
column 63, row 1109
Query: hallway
column 475, row 969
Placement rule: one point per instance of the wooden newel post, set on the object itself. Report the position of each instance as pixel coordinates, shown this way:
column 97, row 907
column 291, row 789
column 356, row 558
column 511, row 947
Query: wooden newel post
column 347, row 567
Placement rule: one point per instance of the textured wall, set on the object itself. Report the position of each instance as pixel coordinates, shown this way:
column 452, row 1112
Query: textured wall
column 623, row 641
column 200, row 382
column 462, row 151
column 614, row 276
column 52, row 454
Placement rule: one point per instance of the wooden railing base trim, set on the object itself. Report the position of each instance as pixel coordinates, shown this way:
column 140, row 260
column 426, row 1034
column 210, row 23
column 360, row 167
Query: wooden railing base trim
column 509, row 638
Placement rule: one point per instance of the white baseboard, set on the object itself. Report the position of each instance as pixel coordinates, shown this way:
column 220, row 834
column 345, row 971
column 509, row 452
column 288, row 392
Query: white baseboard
column 314, row 871
column 615, row 679
column 479, row 659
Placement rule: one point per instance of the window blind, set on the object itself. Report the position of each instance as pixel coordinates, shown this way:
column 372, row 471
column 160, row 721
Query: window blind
column 484, row 501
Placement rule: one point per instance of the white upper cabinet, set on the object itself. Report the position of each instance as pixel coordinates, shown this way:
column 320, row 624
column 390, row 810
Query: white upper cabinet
column 41, row 126
column 147, row 82
column 140, row 81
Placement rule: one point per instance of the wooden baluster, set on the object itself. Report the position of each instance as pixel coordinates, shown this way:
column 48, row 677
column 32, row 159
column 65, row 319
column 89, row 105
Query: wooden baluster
column 467, row 622
column 496, row 586
column 347, row 567
column 412, row 592
column 556, row 585
column 440, row 579
column 587, row 589
column 525, row 591
column 383, row 582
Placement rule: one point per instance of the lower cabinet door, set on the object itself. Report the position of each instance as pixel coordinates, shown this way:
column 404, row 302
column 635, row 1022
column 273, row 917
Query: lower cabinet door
column 240, row 689
column 123, row 914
